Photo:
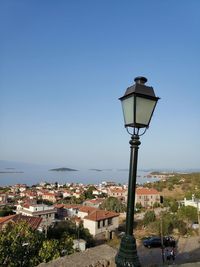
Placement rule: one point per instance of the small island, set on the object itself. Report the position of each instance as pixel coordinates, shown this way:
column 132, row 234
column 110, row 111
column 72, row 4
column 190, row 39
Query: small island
column 4, row 172
column 97, row 170
column 63, row 170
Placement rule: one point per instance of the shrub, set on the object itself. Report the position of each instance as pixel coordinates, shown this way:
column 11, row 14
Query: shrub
column 149, row 217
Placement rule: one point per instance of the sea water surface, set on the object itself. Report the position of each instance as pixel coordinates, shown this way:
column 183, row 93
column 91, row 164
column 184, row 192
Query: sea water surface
column 34, row 175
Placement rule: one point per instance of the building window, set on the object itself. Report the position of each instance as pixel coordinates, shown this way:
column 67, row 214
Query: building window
column 109, row 221
column 99, row 224
column 104, row 222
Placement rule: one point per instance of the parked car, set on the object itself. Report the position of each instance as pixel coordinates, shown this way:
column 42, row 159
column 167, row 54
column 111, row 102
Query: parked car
column 155, row 241
column 152, row 242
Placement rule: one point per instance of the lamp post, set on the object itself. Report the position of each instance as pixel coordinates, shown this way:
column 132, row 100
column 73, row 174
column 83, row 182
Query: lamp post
column 138, row 104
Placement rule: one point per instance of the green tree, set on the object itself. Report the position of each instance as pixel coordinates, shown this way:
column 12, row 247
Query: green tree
column 19, row 245
column 181, row 226
column 66, row 245
column 113, row 204
column 170, row 186
column 173, row 204
column 45, row 201
column 6, row 210
column 168, row 223
column 156, row 205
column 62, row 228
column 149, row 217
column 68, row 228
column 188, row 213
column 138, row 206
column 49, row 250
column 89, row 192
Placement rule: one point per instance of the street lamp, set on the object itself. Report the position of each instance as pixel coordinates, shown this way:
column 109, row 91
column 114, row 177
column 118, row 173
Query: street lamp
column 138, row 105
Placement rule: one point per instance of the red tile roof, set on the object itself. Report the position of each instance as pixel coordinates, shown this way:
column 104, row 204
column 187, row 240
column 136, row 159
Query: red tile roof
column 98, row 215
column 87, row 209
column 6, row 218
column 34, row 222
column 26, row 205
column 117, row 190
column 146, row 191
column 59, row 206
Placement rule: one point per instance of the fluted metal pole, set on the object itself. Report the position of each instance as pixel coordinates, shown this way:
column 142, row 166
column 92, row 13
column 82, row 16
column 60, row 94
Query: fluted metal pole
column 127, row 254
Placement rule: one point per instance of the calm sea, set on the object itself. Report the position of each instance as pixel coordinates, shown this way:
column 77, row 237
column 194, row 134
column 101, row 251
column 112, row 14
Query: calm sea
column 36, row 175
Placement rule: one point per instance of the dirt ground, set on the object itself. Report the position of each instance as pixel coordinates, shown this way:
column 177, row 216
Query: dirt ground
column 188, row 250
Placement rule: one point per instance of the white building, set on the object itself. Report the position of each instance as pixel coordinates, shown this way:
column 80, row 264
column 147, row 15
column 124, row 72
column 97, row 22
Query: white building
column 192, row 202
column 101, row 222
column 72, row 210
column 47, row 213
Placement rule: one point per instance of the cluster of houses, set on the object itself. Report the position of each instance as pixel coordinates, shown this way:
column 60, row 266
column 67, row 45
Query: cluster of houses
column 100, row 223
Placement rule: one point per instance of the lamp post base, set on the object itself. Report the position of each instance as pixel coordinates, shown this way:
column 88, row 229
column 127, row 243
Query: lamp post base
column 127, row 255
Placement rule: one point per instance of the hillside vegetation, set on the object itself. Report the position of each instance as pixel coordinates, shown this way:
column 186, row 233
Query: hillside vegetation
column 179, row 186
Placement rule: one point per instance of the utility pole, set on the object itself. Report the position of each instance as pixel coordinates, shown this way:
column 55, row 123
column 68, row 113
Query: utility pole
column 198, row 215
column 161, row 234
column 161, row 230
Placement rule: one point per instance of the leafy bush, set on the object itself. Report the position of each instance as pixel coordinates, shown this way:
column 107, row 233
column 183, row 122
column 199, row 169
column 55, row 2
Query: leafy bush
column 113, row 204
column 149, row 217
column 188, row 213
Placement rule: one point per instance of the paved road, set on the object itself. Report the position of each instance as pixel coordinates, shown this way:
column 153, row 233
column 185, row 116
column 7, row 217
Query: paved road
column 188, row 250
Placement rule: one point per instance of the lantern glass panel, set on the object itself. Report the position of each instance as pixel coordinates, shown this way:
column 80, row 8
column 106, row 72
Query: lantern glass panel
column 128, row 110
column 144, row 109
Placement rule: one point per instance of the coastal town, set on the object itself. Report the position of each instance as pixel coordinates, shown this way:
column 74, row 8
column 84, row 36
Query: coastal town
column 54, row 202
column 93, row 215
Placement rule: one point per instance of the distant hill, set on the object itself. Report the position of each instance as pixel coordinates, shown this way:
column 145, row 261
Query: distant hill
column 63, row 170
column 97, row 170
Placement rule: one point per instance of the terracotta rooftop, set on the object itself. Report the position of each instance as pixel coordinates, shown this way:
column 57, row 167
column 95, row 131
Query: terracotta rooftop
column 34, row 222
column 6, row 218
column 87, row 209
column 59, row 206
column 26, row 205
column 146, row 191
column 117, row 190
column 98, row 215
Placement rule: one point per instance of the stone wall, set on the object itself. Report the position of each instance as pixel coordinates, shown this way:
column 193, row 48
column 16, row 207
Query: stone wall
column 100, row 256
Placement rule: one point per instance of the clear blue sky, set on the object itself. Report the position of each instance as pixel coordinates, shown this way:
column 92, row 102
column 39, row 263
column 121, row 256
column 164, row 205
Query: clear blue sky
column 63, row 65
